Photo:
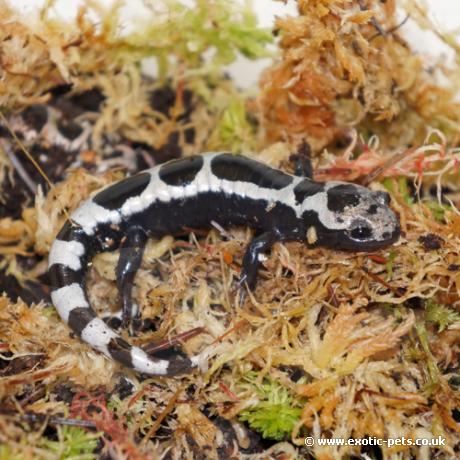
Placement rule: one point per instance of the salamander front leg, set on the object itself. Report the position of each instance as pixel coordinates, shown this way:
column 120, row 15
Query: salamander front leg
column 251, row 259
column 131, row 252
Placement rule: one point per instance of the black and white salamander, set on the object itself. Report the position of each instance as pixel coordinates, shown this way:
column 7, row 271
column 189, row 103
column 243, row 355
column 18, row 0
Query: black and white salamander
column 192, row 192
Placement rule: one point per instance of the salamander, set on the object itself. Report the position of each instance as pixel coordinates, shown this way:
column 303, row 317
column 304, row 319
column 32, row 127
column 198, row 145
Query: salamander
column 191, row 192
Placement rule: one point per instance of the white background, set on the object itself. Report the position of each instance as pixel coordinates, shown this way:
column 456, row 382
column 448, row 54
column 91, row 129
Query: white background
column 446, row 13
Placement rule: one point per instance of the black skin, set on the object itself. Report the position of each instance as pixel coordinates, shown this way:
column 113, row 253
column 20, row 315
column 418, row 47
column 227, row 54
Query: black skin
column 132, row 250
column 303, row 168
column 251, row 262
column 263, row 242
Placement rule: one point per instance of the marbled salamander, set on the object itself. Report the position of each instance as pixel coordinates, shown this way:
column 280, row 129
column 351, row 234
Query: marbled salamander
column 191, row 192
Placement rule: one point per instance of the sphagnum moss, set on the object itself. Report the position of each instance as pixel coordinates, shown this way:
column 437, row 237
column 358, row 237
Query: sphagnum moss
column 338, row 344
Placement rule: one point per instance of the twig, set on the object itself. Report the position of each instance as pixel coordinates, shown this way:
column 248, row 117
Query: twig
column 26, row 152
column 33, row 417
column 380, row 280
column 374, row 21
column 23, row 174
column 398, row 26
column 237, row 326
column 394, row 28
column 387, row 165
column 169, row 407
column 169, row 343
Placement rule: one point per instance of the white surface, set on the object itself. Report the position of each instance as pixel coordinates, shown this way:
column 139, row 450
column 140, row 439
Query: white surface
column 67, row 298
column 446, row 13
column 68, row 253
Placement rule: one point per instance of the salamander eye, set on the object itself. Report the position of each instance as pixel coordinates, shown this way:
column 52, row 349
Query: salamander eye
column 361, row 232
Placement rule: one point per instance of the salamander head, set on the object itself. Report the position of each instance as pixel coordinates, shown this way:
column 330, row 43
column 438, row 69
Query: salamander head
column 351, row 217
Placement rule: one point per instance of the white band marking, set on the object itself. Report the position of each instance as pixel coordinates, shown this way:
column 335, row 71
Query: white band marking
column 67, row 253
column 67, row 298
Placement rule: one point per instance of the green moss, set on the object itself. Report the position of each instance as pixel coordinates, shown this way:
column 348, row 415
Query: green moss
column 213, row 31
column 390, row 263
column 432, row 371
column 234, row 128
column 437, row 210
column 274, row 415
column 74, row 443
column 402, row 186
column 404, row 189
column 7, row 454
column 441, row 315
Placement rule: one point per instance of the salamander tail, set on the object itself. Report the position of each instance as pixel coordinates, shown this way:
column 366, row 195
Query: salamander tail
column 68, row 260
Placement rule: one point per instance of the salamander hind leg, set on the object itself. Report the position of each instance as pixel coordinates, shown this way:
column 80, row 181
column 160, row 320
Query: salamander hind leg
column 131, row 252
